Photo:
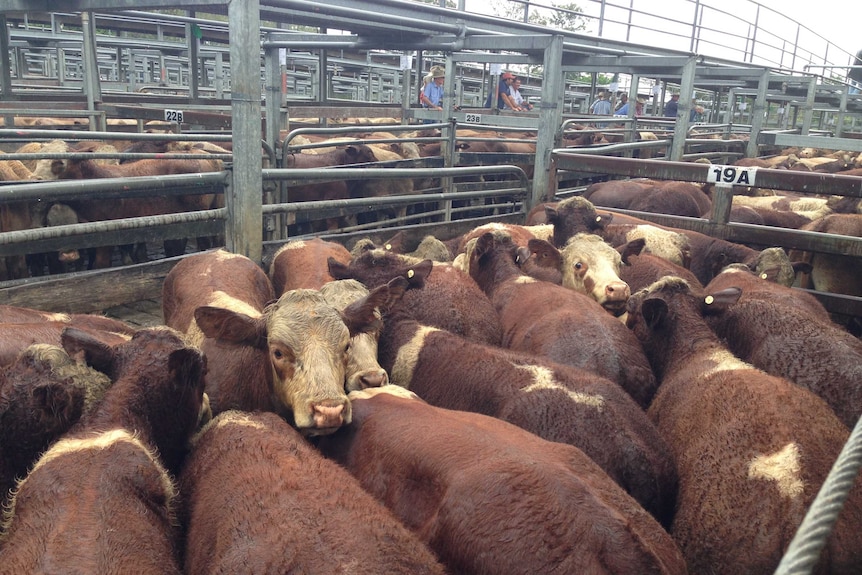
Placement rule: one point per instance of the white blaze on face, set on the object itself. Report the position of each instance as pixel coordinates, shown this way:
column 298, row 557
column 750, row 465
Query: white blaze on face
column 782, row 467
column 662, row 243
column 543, row 379
column 408, row 357
column 592, row 267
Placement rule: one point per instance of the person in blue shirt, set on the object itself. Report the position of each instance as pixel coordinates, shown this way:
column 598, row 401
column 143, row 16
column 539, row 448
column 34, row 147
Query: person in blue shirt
column 432, row 94
column 672, row 107
column 503, row 98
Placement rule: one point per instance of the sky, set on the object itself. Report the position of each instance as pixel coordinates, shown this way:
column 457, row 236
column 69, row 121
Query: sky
column 727, row 27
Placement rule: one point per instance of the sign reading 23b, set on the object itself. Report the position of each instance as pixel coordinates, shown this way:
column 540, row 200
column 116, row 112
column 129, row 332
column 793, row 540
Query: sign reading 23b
column 731, row 175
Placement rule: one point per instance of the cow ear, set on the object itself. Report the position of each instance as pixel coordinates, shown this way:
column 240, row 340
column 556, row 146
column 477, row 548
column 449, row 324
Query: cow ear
column 337, row 269
column 395, row 244
column 418, row 273
column 602, row 220
column 484, row 244
column 359, row 316
column 801, row 267
column 547, row 256
column 98, row 354
column 551, row 212
column 59, row 405
column 654, row 312
column 234, row 327
column 719, row 301
column 632, row 248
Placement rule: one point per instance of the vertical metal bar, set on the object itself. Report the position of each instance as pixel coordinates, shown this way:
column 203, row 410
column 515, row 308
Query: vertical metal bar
column 808, row 114
column 550, row 120
column 407, row 88
column 92, row 87
column 757, row 112
column 194, row 60
column 686, row 90
column 754, row 34
column 5, row 61
column 244, row 230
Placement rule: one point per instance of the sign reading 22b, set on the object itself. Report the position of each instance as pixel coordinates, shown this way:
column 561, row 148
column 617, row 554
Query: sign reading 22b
column 731, row 175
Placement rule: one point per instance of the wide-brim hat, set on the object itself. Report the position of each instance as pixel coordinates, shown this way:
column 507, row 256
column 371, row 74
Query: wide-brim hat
column 437, row 72
column 507, row 75
column 641, row 101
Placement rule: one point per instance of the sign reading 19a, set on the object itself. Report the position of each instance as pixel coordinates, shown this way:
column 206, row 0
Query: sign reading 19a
column 731, row 175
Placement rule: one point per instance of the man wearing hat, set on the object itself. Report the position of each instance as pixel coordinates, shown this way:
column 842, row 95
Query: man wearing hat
column 624, row 109
column 503, row 97
column 432, row 94
column 672, row 107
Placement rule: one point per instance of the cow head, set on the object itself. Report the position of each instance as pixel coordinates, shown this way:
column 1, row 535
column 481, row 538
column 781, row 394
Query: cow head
column 363, row 370
column 307, row 342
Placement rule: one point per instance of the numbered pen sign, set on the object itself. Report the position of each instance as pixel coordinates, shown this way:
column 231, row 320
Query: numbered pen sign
column 731, row 175
column 473, row 118
column 174, row 116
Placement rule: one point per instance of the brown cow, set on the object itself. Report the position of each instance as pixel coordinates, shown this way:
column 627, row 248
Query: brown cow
column 298, row 350
column 590, row 266
column 483, row 493
column 298, row 519
column 42, row 394
column 752, row 450
column 832, row 272
column 451, row 300
column 554, row 401
column 787, row 332
column 558, row 323
column 16, row 337
column 302, row 264
column 101, row 499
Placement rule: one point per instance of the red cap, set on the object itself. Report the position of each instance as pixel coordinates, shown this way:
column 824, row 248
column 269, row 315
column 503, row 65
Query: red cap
column 507, row 75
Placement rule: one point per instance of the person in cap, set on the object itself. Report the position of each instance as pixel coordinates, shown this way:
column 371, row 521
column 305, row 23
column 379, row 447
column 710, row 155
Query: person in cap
column 504, row 100
column 432, row 94
column 672, row 107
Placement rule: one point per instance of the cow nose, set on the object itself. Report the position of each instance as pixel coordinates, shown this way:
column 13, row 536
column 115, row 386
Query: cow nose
column 617, row 291
column 373, row 379
column 328, row 414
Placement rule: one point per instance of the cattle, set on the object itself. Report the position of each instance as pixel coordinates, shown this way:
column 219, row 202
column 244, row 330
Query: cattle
column 751, row 449
column 89, row 210
column 16, row 314
column 641, row 270
column 429, row 248
column 558, row 323
column 617, row 193
column 302, row 264
column 834, row 273
column 362, row 370
column 298, row 349
column 587, row 265
column 338, row 189
column 556, row 402
column 451, row 300
column 42, row 394
column 674, row 246
column 787, row 332
column 289, row 356
column 101, row 498
column 295, row 521
column 487, row 496
column 16, row 337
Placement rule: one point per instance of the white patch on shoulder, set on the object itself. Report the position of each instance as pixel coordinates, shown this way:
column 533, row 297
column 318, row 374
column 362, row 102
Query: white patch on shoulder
column 543, row 379
column 783, row 467
column 725, row 361
column 294, row 245
column 408, row 357
column 226, row 255
column 525, row 280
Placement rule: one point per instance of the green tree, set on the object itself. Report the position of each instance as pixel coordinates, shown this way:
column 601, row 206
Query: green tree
column 567, row 16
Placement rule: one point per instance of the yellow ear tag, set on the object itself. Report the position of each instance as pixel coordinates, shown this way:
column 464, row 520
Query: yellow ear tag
column 763, row 276
column 598, row 218
column 709, row 299
column 410, row 274
column 388, row 246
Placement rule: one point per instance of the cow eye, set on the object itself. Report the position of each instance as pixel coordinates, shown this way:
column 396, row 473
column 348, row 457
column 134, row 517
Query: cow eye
column 276, row 353
column 579, row 265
